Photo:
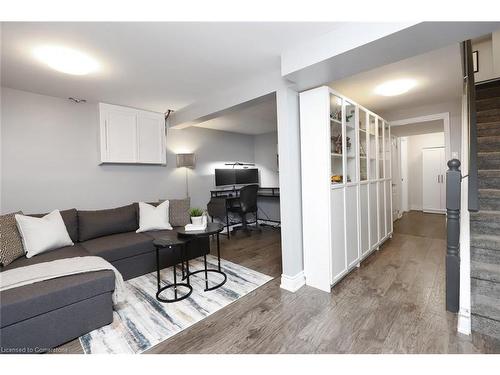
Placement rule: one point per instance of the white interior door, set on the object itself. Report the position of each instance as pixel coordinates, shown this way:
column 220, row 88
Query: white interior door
column 433, row 179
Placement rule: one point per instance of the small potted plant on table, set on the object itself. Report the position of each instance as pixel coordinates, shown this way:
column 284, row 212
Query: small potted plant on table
column 196, row 216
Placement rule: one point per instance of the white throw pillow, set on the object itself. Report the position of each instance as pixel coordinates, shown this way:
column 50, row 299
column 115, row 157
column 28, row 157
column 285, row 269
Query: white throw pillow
column 40, row 234
column 153, row 218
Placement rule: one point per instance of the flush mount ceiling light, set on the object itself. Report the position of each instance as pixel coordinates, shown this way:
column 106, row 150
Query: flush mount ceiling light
column 396, row 87
column 66, row 60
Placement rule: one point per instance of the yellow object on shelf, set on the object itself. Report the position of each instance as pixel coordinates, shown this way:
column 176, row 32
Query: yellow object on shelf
column 336, row 178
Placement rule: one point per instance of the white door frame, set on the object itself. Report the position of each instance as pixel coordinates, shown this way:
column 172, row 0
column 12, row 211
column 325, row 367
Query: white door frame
column 445, row 116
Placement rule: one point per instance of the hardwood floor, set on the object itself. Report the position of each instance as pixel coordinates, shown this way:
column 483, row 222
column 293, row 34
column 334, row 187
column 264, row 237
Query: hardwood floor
column 393, row 303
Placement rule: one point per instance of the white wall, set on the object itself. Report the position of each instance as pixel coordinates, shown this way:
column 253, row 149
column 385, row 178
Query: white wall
column 49, row 154
column 454, row 108
column 485, row 53
column 415, row 145
column 266, row 149
column 489, row 57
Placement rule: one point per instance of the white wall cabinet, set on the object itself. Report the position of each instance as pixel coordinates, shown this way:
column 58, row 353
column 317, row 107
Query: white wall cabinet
column 346, row 184
column 433, row 179
column 129, row 135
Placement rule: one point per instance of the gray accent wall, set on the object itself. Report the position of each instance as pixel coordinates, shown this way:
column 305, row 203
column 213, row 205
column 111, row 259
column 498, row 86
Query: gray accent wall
column 50, row 159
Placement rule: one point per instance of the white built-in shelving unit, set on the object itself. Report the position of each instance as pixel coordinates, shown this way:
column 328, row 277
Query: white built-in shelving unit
column 346, row 184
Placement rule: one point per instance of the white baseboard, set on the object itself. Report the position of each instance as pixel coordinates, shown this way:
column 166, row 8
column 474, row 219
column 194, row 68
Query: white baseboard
column 293, row 283
column 464, row 323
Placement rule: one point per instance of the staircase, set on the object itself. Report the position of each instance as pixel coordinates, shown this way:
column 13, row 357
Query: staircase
column 485, row 224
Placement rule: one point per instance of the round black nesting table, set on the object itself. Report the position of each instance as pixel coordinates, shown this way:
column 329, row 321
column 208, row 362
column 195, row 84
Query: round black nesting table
column 172, row 244
column 212, row 229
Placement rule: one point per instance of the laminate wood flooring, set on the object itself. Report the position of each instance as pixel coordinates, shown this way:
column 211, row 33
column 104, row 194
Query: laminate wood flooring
column 393, row 303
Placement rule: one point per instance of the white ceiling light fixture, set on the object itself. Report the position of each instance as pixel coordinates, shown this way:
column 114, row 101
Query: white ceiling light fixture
column 396, row 87
column 66, row 60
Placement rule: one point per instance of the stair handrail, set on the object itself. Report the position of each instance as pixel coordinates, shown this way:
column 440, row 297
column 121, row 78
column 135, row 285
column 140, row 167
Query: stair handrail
column 470, row 91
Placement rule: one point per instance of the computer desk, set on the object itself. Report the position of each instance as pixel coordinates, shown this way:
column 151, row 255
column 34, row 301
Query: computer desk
column 223, row 199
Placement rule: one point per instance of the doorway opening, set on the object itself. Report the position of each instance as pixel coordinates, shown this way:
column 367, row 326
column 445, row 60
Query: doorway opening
column 251, row 219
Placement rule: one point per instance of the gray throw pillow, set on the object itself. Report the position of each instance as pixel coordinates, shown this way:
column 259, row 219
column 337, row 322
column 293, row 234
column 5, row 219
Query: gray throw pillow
column 100, row 223
column 179, row 212
column 11, row 244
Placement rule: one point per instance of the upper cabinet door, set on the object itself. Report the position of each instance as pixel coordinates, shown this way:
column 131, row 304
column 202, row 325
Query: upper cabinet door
column 130, row 135
column 150, row 139
column 120, row 136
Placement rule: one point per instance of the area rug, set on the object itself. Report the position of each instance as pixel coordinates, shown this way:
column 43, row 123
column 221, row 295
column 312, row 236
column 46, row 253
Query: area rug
column 141, row 321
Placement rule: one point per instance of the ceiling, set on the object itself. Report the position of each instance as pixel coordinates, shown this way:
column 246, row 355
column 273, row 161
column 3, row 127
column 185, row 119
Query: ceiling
column 254, row 117
column 153, row 66
column 438, row 74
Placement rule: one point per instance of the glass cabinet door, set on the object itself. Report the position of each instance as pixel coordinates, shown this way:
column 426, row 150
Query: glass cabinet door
column 387, row 137
column 380, row 145
column 350, row 142
column 336, row 140
column 372, row 147
column 363, row 148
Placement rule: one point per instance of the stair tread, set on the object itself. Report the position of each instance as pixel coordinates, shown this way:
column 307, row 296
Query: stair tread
column 486, row 306
column 485, row 236
column 489, row 138
column 485, row 271
column 485, row 241
column 485, row 213
column 488, row 153
column 489, row 192
column 489, row 172
column 486, row 326
column 489, row 112
column 489, row 125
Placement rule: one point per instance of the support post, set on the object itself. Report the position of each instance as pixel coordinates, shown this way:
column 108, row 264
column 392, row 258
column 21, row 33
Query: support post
column 287, row 107
column 453, row 182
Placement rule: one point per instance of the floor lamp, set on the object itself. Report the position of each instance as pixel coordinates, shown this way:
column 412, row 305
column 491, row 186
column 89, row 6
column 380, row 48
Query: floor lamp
column 186, row 161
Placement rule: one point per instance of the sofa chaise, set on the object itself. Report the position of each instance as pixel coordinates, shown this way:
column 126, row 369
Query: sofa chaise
column 38, row 317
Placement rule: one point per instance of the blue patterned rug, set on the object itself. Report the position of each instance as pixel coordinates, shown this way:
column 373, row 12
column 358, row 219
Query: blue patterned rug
column 141, row 321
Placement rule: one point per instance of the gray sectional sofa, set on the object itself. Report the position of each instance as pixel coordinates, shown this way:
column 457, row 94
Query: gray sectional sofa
column 40, row 316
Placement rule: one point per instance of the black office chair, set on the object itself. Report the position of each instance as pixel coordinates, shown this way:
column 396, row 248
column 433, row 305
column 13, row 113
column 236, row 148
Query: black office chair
column 247, row 205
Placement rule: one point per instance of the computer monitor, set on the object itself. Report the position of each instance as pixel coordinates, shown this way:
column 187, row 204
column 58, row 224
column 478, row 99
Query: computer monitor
column 247, row 176
column 225, row 177
column 230, row 176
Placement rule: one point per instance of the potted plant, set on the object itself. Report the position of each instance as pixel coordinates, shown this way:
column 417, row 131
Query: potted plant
column 196, row 216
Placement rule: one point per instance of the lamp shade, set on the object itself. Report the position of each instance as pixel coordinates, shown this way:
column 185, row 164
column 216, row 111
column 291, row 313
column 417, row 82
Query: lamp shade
column 185, row 160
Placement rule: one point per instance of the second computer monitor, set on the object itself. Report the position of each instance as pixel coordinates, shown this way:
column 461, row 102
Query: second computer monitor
column 246, row 176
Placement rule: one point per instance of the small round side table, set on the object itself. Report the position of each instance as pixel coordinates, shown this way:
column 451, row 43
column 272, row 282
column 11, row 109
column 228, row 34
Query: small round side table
column 172, row 244
column 212, row 229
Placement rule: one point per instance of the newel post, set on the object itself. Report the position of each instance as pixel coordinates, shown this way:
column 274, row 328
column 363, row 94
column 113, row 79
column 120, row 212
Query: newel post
column 453, row 182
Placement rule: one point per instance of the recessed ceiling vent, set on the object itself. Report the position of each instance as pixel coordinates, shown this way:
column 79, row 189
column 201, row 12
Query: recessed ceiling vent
column 77, row 100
